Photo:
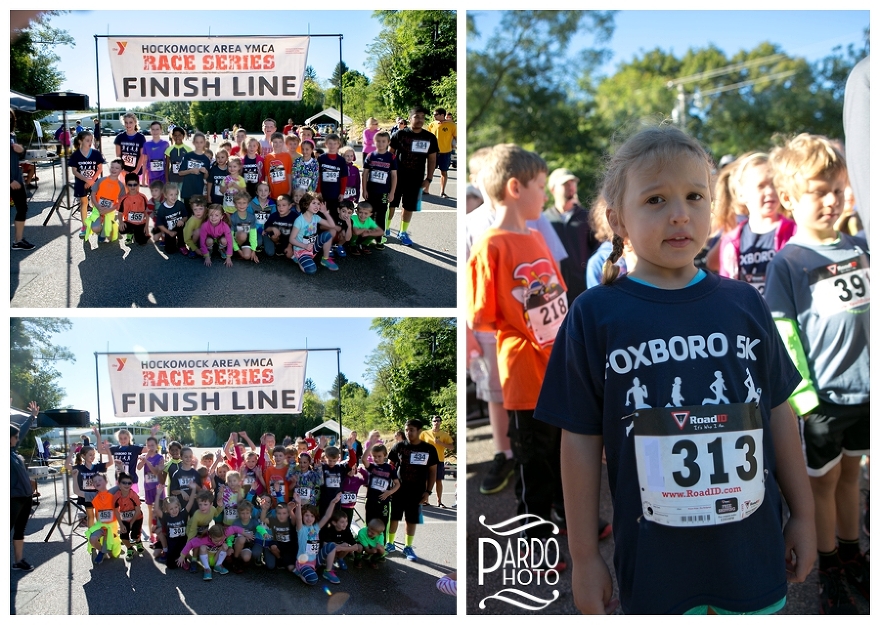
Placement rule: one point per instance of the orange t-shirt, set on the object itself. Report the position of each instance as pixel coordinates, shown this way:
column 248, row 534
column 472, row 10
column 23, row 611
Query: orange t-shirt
column 103, row 505
column 134, row 208
column 278, row 477
column 108, row 192
column 277, row 168
column 515, row 290
column 128, row 506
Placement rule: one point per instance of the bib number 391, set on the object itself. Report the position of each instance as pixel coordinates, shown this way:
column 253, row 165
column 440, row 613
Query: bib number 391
column 699, row 465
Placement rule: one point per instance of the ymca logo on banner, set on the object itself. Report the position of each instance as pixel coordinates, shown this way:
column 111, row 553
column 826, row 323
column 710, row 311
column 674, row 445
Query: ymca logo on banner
column 168, row 384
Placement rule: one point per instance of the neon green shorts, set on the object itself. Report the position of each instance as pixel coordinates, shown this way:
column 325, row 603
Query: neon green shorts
column 771, row 609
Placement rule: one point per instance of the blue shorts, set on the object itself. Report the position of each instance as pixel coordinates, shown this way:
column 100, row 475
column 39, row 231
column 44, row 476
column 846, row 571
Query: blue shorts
column 444, row 160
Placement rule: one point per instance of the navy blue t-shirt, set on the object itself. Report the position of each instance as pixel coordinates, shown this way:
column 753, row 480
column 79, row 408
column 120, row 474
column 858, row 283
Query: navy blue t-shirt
column 628, row 356
column 194, row 184
column 86, row 165
column 379, row 168
column 331, row 170
column 284, row 224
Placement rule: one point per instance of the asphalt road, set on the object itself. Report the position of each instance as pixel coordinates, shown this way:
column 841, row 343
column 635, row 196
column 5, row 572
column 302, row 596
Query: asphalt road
column 65, row 272
column 802, row 598
column 65, row 582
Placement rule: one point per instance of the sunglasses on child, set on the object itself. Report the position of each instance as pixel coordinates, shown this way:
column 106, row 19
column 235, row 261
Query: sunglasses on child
column 125, row 483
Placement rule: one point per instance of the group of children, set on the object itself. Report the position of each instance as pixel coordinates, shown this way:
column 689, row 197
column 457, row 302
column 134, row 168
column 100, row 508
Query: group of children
column 688, row 384
column 280, row 507
column 280, row 196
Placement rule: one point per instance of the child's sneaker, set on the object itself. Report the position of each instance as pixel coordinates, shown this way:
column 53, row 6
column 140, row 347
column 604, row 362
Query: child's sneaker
column 387, row 233
column 404, row 239
column 331, row 577
column 192, row 254
column 129, row 555
column 835, row 596
column 329, row 264
column 101, row 238
column 129, row 238
column 410, row 554
column 384, row 239
column 194, row 567
column 380, row 245
column 222, row 255
column 390, row 548
column 82, row 232
column 220, row 569
column 341, row 565
column 162, row 558
column 139, row 546
column 858, row 574
column 162, row 245
column 206, row 576
column 340, row 251
column 99, row 557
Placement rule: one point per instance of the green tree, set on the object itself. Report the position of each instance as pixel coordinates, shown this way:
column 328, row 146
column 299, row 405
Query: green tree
column 522, row 86
column 733, row 104
column 414, row 50
column 33, row 59
column 414, row 362
column 33, row 354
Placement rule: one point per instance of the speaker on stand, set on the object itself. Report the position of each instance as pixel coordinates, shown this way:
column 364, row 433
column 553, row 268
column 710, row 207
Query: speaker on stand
column 64, row 418
column 58, row 101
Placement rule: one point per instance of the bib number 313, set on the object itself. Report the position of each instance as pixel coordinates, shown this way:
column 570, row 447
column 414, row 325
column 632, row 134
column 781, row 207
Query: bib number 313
column 699, row 465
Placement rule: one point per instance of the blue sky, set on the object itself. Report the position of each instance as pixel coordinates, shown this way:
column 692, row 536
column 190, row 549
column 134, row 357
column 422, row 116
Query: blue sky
column 810, row 34
column 78, row 63
column 125, row 333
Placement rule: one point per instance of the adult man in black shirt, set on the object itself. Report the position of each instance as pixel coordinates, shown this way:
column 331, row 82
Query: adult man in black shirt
column 416, row 463
column 414, row 147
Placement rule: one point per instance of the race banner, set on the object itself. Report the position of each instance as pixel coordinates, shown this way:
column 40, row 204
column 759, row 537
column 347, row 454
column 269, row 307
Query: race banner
column 147, row 69
column 220, row 383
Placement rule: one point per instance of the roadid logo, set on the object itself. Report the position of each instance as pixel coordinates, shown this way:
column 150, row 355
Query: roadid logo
column 520, row 561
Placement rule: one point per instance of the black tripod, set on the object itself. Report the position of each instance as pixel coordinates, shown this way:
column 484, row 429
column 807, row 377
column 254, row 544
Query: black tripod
column 68, row 500
column 64, row 193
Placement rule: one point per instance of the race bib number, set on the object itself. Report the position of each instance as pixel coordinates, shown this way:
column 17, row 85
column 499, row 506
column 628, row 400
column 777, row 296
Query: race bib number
column 841, row 287
column 229, row 197
column 261, row 217
column 277, row 174
column 150, row 477
column 350, row 192
column 303, row 492
column 312, row 547
column 105, row 516
column 421, row 146
column 136, row 218
column 378, row 176
column 282, row 537
column 128, row 515
column 251, row 176
column 157, row 165
column 379, row 483
column 248, row 479
column 333, row 481
column 349, row 498
column 230, row 513
column 129, row 160
column 546, row 312
column 418, row 457
column 176, row 532
column 175, row 168
column 699, row 465
column 303, row 183
column 105, row 203
column 329, row 175
column 245, row 228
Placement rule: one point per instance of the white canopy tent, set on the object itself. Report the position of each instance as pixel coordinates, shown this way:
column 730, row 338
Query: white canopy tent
column 333, row 114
